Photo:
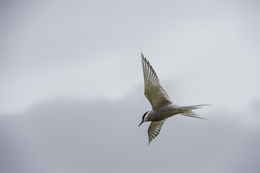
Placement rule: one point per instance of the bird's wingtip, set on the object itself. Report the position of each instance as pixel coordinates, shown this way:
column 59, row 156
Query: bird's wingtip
column 142, row 55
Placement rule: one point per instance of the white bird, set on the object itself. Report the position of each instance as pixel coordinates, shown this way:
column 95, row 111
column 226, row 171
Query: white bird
column 162, row 107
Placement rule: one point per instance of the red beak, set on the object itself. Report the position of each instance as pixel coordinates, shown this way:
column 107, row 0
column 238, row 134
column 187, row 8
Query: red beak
column 140, row 123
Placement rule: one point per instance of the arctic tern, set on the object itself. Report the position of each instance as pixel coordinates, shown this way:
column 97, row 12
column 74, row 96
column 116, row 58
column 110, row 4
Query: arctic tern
column 162, row 107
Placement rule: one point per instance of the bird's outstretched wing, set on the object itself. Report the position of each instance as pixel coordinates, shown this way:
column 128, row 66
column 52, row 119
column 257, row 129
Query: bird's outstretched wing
column 153, row 91
column 154, row 129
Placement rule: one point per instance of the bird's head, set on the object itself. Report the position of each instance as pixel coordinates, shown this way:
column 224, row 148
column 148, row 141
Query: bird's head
column 144, row 118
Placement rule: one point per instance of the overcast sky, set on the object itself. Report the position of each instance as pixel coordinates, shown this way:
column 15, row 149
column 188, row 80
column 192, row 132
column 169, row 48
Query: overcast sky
column 80, row 62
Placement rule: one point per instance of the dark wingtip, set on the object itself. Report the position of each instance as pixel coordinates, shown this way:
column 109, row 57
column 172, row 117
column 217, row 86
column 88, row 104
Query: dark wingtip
column 142, row 55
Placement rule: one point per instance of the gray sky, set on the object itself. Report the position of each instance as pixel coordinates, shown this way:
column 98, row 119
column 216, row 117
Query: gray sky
column 66, row 135
column 206, row 51
column 84, row 56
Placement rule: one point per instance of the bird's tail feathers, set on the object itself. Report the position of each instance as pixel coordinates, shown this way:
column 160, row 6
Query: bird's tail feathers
column 187, row 110
column 195, row 106
column 193, row 115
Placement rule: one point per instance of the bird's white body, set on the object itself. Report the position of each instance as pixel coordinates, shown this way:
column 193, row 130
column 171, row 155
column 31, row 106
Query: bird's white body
column 163, row 112
column 162, row 106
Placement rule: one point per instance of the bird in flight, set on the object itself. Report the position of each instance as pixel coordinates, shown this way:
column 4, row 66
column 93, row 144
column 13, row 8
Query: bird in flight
column 162, row 106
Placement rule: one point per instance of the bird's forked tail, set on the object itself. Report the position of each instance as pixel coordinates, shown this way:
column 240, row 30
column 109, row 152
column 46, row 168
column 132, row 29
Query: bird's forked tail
column 187, row 110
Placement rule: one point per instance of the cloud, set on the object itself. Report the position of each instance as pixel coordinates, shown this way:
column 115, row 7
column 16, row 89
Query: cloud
column 52, row 49
column 87, row 55
column 75, row 135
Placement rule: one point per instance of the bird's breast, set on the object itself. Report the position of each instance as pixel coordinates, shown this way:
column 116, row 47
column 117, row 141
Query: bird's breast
column 163, row 112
